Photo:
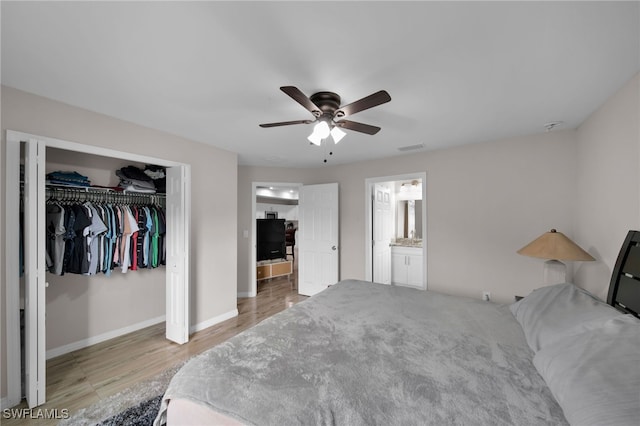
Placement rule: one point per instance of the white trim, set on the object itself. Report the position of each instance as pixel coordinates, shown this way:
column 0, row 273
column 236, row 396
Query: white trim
column 12, row 273
column 96, row 150
column 369, row 182
column 244, row 294
column 213, row 321
column 80, row 344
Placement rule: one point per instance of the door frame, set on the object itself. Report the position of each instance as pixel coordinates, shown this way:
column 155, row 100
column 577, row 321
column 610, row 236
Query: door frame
column 253, row 283
column 368, row 236
column 12, row 218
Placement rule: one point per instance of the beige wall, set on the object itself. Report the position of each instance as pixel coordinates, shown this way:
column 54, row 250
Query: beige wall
column 608, row 184
column 484, row 202
column 129, row 298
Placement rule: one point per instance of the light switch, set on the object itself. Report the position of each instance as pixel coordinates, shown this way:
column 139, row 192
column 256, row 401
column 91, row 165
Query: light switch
column 245, row 233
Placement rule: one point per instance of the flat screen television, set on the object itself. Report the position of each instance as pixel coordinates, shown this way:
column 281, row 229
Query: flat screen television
column 270, row 239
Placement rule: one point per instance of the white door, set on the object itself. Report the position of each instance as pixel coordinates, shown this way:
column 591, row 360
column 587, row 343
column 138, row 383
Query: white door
column 34, row 270
column 382, row 228
column 317, row 238
column 177, row 275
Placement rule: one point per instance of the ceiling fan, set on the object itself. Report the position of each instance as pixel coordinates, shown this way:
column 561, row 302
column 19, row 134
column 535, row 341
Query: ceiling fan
column 325, row 107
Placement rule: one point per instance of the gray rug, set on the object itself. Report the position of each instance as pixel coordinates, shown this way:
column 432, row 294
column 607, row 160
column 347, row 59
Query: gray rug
column 142, row 414
column 133, row 406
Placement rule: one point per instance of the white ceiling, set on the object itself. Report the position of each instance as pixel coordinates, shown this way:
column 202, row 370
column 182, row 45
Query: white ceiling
column 457, row 72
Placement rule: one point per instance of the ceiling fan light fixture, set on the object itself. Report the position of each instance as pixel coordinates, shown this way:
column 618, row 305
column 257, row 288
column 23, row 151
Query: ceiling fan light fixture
column 315, row 139
column 322, row 129
column 337, row 134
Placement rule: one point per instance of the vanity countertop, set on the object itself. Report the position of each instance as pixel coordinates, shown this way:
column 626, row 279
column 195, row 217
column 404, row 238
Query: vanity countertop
column 406, row 242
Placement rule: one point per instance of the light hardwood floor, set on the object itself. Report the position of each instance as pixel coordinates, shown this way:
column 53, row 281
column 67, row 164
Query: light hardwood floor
column 83, row 377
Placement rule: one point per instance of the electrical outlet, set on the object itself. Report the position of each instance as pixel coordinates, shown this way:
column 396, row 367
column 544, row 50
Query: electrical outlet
column 486, row 296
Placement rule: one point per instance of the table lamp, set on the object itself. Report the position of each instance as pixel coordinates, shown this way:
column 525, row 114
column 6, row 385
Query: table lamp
column 555, row 247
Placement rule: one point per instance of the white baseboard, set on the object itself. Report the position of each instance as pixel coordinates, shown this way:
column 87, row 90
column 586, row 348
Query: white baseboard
column 243, row 294
column 52, row 353
column 213, row 321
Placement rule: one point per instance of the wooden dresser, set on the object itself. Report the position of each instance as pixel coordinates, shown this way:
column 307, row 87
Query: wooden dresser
column 273, row 268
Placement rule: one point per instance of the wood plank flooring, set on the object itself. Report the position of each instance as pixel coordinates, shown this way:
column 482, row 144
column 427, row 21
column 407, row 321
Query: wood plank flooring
column 83, row 377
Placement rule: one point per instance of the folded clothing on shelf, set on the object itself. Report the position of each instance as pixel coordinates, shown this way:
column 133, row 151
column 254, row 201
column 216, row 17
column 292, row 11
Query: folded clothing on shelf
column 67, row 178
column 135, row 188
column 157, row 173
column 134, row 179
column 134, row 173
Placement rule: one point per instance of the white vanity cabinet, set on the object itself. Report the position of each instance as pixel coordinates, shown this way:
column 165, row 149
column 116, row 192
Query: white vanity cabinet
column 406, row 266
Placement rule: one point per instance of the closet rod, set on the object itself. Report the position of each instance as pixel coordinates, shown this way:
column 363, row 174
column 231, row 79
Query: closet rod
column 97, row 194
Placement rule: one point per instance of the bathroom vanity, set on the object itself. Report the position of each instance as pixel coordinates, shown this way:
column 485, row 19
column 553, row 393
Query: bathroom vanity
column 406, row 263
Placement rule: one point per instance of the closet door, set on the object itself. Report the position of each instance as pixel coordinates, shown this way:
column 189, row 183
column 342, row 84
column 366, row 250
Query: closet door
column 34, row 267
column 178, row 219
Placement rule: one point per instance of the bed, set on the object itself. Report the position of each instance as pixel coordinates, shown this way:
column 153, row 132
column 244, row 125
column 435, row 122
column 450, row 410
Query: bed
column 361, row 353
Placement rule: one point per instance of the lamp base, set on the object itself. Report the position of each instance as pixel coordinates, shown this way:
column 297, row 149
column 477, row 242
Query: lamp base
column 555, row 272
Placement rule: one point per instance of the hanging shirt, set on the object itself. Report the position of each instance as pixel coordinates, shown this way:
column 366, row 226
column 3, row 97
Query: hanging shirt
column 134, row 239
column 78, row 263
column 154, row 240
column 162, row 249
column 101, row 237
column 130, row 226
column 110, row 238
column 117, row 259
column 93, row 231
column 69, row 237
column 55, row 238
column 146, row 241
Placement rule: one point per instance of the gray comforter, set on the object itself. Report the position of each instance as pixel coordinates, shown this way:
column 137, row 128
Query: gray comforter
column 369, row 354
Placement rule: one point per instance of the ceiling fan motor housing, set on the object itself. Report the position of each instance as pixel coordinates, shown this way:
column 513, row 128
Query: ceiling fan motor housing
column 328, row 102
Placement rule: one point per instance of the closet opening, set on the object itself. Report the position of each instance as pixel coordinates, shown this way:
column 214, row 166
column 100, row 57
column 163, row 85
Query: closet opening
column 94, row 298
column 126, row 272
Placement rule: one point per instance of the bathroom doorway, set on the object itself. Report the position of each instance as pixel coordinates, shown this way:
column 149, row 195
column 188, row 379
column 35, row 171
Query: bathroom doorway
column 395, row 236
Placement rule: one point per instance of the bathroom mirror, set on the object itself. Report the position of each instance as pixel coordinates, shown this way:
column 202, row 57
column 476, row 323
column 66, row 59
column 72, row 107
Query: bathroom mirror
column 409, row 218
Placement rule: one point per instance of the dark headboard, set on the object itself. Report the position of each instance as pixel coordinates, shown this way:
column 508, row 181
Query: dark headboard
column 624, row 290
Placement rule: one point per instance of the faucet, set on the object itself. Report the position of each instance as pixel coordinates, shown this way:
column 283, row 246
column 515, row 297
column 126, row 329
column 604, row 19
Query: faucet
column 412, row 233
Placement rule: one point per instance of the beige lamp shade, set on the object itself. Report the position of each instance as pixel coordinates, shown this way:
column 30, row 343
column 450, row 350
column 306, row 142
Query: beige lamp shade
column 555, row 245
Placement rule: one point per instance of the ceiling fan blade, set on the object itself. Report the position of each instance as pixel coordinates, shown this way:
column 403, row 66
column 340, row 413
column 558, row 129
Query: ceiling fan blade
column 286, row 123
column 358, row 127
column 370, row 101
column 302, row 99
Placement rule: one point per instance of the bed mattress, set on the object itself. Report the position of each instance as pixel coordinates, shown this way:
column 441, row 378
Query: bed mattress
column 360, row 353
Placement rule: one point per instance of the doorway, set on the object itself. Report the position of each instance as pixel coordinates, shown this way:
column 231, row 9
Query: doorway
column 316, row 241
column 279, row 201
column 396, row 225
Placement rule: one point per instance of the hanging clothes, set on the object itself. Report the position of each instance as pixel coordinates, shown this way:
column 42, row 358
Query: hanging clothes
column 97, row 237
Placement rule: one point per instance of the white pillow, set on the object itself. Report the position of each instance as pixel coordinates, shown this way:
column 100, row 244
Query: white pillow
column 557, row 311
column 595, row 375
